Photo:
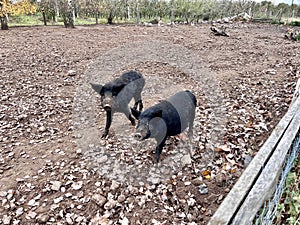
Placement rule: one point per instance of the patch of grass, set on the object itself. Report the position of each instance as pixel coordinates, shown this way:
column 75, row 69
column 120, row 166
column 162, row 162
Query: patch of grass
column 289, row 208
column 295, row 23
column 37, row 20
column 277, row 22
column 25, row 20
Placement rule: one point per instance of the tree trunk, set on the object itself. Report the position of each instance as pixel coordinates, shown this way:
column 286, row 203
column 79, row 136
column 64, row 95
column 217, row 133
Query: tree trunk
column 172, row 12
column 54, row 18
column 56, row 14
column 44, row 18
column 128, row 12
column 4, row 25
column 69, row 16
column 110, row 18
column 137, row 12
column 97, row 17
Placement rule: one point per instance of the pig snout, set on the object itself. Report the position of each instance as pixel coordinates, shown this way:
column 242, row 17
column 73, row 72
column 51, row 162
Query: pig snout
column 107, row 107
column 107, row 104
column 141, row 134
column 138, row 136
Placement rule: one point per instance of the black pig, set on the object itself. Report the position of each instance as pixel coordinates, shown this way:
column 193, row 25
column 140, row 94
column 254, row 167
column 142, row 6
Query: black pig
column 167, row 118
column 116, row 95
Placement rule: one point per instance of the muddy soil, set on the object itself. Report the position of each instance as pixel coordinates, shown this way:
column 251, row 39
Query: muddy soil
column 49, row 172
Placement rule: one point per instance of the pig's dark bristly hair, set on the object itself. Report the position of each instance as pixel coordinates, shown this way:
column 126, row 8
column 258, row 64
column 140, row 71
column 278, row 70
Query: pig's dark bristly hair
column 118, row 84
column 128, row 86
column 192, row 97
column 168, row 118
column 97, row 87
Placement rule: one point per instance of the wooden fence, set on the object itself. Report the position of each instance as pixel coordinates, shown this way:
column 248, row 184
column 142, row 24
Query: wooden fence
column 258, row 181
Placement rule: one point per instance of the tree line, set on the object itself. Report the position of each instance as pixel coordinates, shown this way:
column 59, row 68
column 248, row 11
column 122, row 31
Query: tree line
column 143, row 10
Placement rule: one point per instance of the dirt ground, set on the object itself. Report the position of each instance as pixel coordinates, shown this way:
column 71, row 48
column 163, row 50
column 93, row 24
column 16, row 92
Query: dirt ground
column 46, row 177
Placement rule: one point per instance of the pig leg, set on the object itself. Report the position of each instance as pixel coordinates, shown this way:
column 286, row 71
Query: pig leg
column 136, row 105
column 190, row 131
column 128, row 114
column 158, row 150
column 141, row 106
column 138, row 102
column 108, row 123
column 190, row 134
column 191, row 124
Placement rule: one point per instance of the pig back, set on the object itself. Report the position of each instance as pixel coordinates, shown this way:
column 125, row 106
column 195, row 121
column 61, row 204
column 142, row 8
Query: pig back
column 184, row 103
column 133, row 83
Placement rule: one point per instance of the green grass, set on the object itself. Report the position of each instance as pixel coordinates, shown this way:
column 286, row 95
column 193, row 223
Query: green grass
column 24, row 20
column 289, row 208
column 37, row 20
column 295, row 23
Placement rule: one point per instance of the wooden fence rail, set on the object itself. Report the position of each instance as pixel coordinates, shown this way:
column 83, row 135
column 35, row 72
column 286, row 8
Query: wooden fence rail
column 258, row 181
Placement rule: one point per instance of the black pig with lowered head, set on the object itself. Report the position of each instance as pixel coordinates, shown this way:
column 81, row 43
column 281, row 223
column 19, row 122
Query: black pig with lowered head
column 167, row 118
column 117, row 94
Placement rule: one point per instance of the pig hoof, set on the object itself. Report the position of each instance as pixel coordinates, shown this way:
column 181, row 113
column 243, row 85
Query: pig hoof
column 155, row 160
column 104, row 135
column 132, row 122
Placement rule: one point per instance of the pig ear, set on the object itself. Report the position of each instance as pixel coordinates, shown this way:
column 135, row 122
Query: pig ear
column 97, row 87
column 117, row 89
column 135, row 113
column 157, row 113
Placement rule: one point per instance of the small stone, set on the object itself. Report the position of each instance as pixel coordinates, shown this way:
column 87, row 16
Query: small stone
column 186, row 159
column 38, row 197
column 98, row 184
column 197, row 181
column 77, row 185
column 79, row 219
column 68, row 195
column 54, row 206
column 181, row 215
column 32, row 215
column 114, row 185
column 271, row 71
column 99, row 199
column 187, row 183
column 100, row 220
column 220, row 198
column 19, row 211
column 79, row 151
column 121, row 198
column 10, row 194
column 69, row 220
column 42, row 129
column 3, row 193
column 55, row 185
column 42, row 218
column 110, row 204
column 203, row 189
column 6, row 220
column 16, row 222
column 124, row 221
column 31, row 202
column 58, row 200
column 102, row 159
column 71, row 72
column 220, row 179
column 63, row 189
column 191, row 202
